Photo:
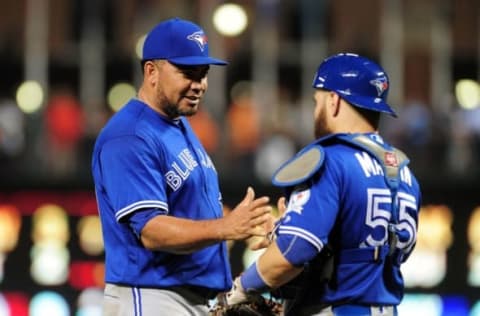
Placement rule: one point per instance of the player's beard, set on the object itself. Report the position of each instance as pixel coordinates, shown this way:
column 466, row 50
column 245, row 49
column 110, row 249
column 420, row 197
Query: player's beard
column 321, row 126
column 171, row 110
column 174, row 110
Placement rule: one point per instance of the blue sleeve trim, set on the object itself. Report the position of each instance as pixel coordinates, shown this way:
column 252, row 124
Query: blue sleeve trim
column 140, row 205
column 139, row 219
column 302, row 233
column 297, row 250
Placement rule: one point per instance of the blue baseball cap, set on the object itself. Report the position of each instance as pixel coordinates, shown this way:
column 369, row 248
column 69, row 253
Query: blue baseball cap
column 358, row 80
column 180, row 42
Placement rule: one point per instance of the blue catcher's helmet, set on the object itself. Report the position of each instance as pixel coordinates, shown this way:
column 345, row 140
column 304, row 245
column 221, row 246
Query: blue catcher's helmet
column 356, row 79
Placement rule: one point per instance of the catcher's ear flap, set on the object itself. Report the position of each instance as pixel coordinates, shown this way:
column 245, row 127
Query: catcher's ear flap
column 301, row 167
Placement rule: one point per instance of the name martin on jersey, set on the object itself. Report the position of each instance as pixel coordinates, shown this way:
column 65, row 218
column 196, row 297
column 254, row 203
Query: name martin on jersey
column 184, row 165
column 371, row 167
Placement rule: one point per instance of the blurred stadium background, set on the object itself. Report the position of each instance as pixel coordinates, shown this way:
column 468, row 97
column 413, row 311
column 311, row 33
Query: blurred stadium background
column 67, row 65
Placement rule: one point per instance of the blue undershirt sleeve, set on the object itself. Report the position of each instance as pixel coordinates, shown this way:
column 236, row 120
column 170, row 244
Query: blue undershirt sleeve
column 296, row 250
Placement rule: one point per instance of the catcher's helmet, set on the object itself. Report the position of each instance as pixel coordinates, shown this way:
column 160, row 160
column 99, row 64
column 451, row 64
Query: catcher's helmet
column 356, row 79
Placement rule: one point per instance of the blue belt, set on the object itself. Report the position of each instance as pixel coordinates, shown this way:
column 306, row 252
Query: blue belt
column 360, row 310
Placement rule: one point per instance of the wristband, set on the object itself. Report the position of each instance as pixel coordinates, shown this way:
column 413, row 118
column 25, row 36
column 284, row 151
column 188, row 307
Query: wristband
column 252, row 281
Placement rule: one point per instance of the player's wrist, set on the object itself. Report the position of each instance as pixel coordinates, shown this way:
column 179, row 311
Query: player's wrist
column 251, row 280
column 219, row 229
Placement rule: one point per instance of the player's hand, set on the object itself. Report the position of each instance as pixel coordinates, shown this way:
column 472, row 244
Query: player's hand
column 248, row 218
column 281, row 206
column 239, row 302
column 236, row 295
column 260, row 242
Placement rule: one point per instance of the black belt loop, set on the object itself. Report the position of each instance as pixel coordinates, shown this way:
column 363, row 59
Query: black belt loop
column 204, row 292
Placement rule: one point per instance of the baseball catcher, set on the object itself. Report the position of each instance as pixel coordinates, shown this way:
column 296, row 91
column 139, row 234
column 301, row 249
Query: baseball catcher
column 352, row 206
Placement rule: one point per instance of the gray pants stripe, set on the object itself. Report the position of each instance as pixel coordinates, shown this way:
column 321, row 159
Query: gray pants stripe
column 131, row 301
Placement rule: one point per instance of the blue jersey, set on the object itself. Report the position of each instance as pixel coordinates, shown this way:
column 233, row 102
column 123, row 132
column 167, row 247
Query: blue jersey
column 347, row 205
column 143, row 161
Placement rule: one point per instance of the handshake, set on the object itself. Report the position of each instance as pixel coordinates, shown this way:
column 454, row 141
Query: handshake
column 247, row 302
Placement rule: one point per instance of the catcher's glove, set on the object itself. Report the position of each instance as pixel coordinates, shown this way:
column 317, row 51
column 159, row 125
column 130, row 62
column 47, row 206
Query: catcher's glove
column 237, row 302
column 266, row 308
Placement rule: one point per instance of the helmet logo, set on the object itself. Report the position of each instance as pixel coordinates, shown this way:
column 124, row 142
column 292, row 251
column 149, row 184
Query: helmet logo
column 381, row 84
column 200, row 38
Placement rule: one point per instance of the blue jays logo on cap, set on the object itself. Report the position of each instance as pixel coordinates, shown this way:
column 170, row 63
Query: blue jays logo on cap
column 200, row 38
column 381, row 84
column 178, row 41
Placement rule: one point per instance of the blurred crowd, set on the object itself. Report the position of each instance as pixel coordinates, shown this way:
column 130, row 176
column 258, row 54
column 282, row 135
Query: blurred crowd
column 79, row 49
column 247, row 144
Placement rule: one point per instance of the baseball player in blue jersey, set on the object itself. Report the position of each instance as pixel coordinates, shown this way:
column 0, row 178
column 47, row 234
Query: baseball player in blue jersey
column 157, row 189
column 352, row 211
